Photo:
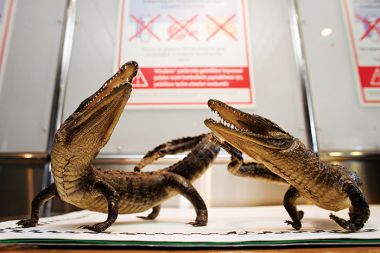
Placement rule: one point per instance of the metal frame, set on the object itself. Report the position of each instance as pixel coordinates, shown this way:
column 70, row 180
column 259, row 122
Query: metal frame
column 301, row 61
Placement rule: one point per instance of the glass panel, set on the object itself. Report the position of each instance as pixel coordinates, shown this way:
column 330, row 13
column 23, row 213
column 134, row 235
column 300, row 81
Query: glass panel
column 342, row 122
column 30, row 70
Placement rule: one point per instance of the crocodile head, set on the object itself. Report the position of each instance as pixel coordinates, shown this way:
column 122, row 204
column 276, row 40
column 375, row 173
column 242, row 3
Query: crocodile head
column 252, row 134
column 90, row 127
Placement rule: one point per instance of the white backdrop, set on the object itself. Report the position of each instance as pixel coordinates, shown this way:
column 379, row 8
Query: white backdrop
column 275, row 76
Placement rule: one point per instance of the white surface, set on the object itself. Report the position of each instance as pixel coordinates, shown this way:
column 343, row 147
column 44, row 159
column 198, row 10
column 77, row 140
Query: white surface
column 225, row 225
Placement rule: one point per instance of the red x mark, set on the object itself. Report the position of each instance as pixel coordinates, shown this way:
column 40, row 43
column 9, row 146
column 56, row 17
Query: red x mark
column 221, row 26
column 183, row 27
column 144, row 27
column 370, row 26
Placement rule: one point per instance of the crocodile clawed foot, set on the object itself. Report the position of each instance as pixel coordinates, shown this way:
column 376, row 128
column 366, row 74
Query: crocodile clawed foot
column 99, row 227
column 198, row 223
column 146, row 217
column 296, row 225
column 300, row 214
column 26, row 223
column 348, row 225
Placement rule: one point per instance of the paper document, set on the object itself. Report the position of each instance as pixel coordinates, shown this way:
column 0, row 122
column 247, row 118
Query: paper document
column 248, row 226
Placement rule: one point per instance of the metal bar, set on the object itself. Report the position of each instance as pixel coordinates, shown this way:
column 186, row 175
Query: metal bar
column 301, row 61
column 60, row 84
column 23, row 158
column 134, row 159
column 28, row 158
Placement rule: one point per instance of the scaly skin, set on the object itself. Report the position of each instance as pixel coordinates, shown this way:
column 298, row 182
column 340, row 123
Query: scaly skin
column 283, row 158
column 79, row 140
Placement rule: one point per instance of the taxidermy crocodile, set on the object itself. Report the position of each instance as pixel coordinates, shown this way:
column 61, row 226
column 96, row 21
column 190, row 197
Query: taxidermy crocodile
column 78, row 182
column 283, row 158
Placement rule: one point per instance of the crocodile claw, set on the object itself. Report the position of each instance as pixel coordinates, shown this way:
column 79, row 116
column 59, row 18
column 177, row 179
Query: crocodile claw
column 198, row 223
column 300, row 215
column 348, row 225
column 146, row 217
column 26, row 223
column 99, row 227
column 295, row 225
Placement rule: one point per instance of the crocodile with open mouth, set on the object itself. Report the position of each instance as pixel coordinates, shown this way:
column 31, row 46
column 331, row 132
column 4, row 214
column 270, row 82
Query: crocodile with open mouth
column 281, row 157
column 78, row 182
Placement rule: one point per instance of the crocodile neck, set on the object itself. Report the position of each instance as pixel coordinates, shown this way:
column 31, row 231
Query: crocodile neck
column 68, row 171
column 85, row 132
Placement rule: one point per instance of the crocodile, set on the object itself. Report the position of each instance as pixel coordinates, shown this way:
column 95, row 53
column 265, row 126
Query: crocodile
column 283, row 158
column 81, row 137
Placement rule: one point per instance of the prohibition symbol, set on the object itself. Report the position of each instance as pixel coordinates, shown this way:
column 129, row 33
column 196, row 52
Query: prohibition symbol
column 222, row 27
column 369, row 27
column 144, row 27
column 375, row 79
column 182, row 27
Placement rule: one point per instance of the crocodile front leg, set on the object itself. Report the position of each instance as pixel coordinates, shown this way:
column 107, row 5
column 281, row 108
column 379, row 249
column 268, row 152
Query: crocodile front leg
column 290, row 198
column 237, row 166
column 185, row 188
column 172, row 147
column 113, row 199
column 359, row 211
column 169, row 148
column 46, row 194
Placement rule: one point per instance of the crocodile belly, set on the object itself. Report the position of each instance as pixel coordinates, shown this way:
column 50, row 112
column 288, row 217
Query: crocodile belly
column 136, row 203
column 330, row 199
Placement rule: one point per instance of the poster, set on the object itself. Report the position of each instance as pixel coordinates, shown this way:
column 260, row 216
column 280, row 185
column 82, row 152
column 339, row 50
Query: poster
column 188, row 52
column 363, row 23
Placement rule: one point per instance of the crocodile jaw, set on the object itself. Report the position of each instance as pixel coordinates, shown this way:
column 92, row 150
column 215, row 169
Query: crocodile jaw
column 250, row 133
column 89, row 128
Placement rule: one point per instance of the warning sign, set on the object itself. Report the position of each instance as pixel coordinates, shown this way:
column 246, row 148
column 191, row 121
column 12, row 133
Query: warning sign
column 363, row 23
column 140, row 81
column 187, row 53
column 375, row 80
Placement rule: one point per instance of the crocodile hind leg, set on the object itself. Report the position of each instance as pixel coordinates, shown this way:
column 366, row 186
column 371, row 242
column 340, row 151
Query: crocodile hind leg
column 237, row 166
column 185, row 188
column 169, row 148
column 46, row 194
column 113, row 199
column 359, row 211
column 290, row 198
column 155, row 212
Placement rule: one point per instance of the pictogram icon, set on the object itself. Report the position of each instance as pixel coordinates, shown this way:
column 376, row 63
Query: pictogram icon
column 182, row 27
column 225, row 26
column 144, row 26
column 369, row 27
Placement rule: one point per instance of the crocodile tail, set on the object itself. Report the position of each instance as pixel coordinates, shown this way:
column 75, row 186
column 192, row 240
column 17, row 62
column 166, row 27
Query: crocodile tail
column 198, row 160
